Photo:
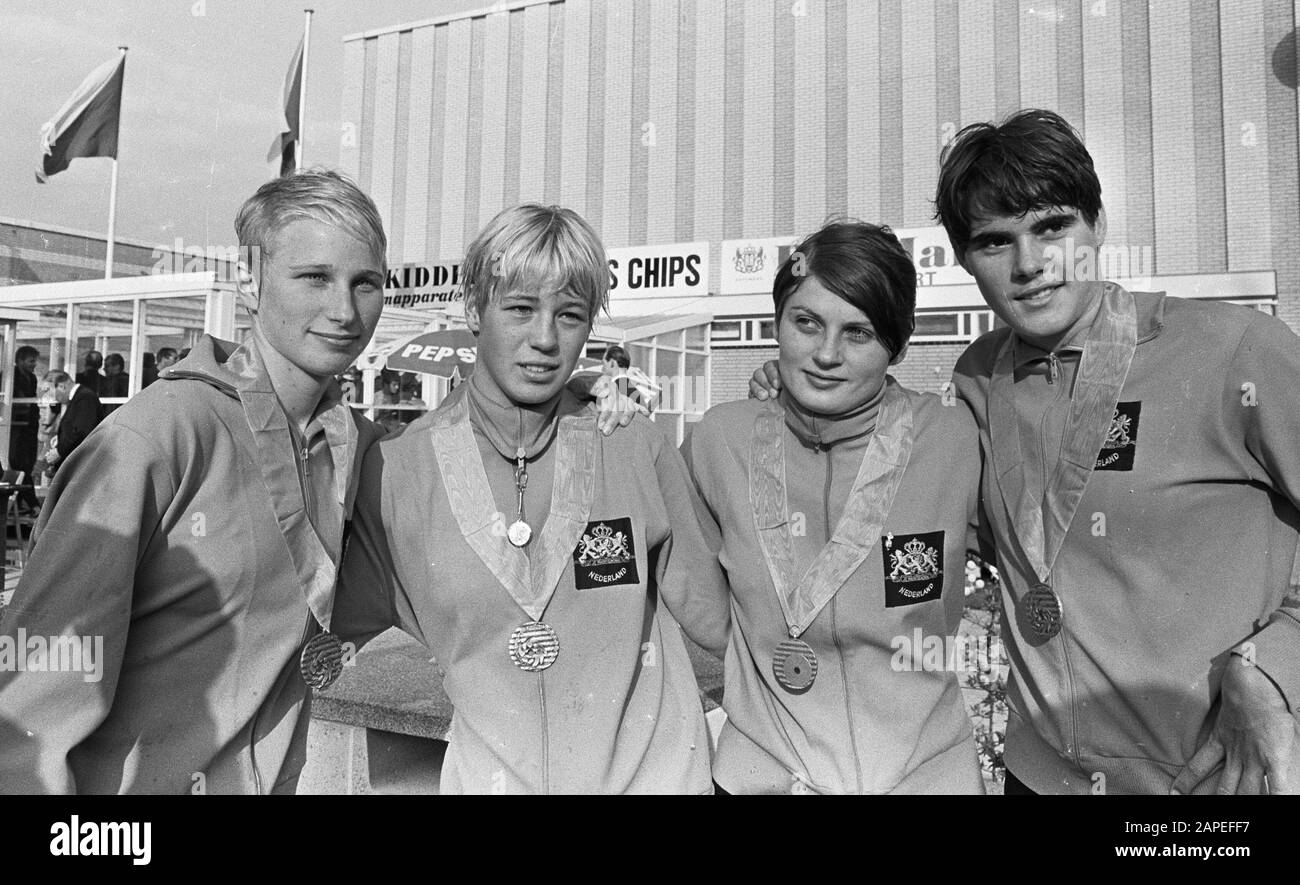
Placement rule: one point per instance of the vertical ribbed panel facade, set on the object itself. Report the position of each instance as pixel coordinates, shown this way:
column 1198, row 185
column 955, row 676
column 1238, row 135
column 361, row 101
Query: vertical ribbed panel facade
column 862, row 88
column 920, row 137
column 619, row 25
column 661, row 143
column 492, row 152
column 676, row 120
column 759, row 116
column 809, row 120
column 532, row 117
column 1103, row 107
column 383, row 156
column 1173, row 130
column 1245, row 133
column 1038, row 75
column 419, row 123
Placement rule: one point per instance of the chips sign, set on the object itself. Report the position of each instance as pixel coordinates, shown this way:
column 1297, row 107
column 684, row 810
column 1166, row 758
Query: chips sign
column 679, row 269
column 674, row 270
column 423, row 285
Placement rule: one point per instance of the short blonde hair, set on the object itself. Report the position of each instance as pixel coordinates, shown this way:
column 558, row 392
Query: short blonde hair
column 533, row 246
column 315, row 194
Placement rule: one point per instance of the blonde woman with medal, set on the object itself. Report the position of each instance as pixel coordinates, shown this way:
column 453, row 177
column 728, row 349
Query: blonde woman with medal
column 545, row 566
column 844, row 507
column 197, row 532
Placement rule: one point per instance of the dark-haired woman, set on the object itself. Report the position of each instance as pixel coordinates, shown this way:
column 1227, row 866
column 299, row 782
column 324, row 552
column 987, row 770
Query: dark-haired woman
column 844, row 506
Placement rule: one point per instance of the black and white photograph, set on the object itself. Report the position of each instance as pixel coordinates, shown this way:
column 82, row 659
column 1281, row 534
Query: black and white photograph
column 619, row 397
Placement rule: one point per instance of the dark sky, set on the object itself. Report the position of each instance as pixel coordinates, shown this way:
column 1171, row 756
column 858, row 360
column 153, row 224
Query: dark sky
column 200, row 108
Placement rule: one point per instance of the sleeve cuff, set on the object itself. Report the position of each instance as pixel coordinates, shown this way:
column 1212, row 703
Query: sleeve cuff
column 1277, row 655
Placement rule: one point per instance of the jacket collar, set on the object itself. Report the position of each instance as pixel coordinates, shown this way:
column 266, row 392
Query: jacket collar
column 1150, row 321
column 821, row 431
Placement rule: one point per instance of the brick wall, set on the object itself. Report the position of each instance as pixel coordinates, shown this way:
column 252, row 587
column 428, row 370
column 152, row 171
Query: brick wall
column 927, row 367
column 732, row 368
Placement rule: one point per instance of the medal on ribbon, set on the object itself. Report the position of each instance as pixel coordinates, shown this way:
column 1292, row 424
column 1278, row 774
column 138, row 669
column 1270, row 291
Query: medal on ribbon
column 321, row 661
column 1039, row 525
column 534, row 646
column 794, row 664
column 530, row 581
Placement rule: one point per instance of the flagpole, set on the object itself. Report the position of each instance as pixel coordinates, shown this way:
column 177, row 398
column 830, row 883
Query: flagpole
column 112, row 202
column 302, row 90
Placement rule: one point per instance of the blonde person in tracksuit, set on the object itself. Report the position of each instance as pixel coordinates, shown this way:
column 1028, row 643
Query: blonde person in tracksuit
column 545, row 566
column 844, row 507
column 191, row 542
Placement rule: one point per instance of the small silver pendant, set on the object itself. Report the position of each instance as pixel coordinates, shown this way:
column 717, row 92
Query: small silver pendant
column 519, row 533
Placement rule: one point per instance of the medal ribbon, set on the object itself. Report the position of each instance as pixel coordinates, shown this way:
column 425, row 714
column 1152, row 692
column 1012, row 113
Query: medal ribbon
column 276, row 456
column 531, row 583
column 1041, row 526
column 859, row 527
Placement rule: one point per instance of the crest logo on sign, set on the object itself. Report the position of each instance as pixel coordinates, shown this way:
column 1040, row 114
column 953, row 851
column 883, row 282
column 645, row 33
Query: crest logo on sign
column 749, row 259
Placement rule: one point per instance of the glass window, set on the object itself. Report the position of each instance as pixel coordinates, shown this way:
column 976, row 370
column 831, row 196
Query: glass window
column 728, row 330
column 697, row 337
column 937, row 324
column 642, row 357
column 767, row 330
column 669, row 377
column 669, row 339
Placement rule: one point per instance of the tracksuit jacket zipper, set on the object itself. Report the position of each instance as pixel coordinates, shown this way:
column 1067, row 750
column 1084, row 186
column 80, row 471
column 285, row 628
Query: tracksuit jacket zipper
column 1054, row 375
column 835, row 636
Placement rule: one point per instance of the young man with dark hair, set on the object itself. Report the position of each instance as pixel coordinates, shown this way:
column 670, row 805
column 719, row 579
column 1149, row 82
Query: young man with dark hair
column 90, row 376
column 615, row 360
column 195, row 536
column 1141, row 485
column 116, row 382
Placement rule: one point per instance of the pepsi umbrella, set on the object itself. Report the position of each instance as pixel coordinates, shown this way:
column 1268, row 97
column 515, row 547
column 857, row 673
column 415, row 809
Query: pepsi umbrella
column 439, row 353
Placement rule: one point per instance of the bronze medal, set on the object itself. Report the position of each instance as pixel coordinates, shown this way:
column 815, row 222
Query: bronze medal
column 321, row 661
column 794, row 665
column 1043, row 608
column 534, row 646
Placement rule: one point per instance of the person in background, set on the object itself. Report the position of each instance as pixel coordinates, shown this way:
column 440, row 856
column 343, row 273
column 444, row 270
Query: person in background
column 91, row 375
column 79, row 414
column 116, row 383
column 148, row 370
column 410, row 396
column 390, row 394
column 167, row 357
column 615, row 360
column 184, row 352
column 26, row 422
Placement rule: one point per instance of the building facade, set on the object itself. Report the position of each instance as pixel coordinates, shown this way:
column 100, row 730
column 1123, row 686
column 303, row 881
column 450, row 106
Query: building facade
column 716, row 124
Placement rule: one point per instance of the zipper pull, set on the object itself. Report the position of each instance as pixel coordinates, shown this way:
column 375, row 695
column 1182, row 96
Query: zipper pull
column 1053, row 368
column 306, row 464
